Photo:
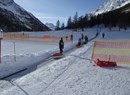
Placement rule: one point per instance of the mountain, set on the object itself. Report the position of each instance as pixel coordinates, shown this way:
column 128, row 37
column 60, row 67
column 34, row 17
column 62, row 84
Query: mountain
column 51, row 26
column 15, row 18
column 125, row 9
column 110, row 5
column 113, row 13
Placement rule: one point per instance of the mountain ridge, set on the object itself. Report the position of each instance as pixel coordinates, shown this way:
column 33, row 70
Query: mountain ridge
column 51, row 26
column 15, row 18
column 110, row 5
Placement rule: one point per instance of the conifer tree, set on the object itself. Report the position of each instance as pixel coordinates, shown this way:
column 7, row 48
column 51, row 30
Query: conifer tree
column 62, row 26
column 69, row 22
column 75, row 22
column 58, row 25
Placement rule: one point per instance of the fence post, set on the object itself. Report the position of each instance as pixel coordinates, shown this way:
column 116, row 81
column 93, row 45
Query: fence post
column 1, row 37
column 93, row 52
column 14, row 53
column 0, row 50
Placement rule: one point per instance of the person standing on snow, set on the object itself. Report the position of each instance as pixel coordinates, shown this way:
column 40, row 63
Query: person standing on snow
column 97, row 34
column 103, row 35
column 71, row 37
column 61, row 45
column 86, row 39
column 79, row 42
column 82, row 37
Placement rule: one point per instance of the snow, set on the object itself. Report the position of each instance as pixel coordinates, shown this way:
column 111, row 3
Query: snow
column 19, row 12
column 72, row 75
column 111, row 5
column 11, row 6
column 50, row 25
column 126, row 11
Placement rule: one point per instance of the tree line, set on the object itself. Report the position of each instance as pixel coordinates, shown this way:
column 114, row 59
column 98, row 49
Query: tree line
column 115, row 18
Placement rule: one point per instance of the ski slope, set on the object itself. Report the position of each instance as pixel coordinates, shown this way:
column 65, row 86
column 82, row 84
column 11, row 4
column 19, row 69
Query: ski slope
column 71, row 75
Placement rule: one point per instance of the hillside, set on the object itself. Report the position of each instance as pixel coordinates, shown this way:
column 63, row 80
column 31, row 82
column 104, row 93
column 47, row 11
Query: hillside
column 15, row 18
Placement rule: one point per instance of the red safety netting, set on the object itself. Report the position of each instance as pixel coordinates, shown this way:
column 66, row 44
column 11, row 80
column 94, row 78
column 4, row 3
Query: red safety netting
column 44, row 38
column 112, row 50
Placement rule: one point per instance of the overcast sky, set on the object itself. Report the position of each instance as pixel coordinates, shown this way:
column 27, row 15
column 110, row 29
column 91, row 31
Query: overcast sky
column 52, row 10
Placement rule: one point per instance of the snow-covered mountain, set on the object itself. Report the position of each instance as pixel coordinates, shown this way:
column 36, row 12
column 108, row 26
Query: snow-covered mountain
column 110, row 5
column 50, row 25
column 15, row 18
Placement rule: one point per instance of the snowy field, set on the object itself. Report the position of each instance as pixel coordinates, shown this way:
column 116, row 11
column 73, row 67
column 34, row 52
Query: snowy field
column 71, row 75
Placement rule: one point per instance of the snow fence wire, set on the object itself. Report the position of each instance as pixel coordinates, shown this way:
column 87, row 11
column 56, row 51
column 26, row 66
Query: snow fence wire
column 112, row 50
column 42, row 38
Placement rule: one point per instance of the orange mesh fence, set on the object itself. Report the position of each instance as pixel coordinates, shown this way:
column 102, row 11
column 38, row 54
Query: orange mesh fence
column 44, row 38
column 112, row 50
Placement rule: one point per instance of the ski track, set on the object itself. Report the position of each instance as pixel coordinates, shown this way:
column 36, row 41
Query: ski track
column 66, row 68
column 50, row 60
column 88, row 47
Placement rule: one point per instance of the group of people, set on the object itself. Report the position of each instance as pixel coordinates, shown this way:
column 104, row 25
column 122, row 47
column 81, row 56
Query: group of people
column 61, row 43
column 103, row 34
column 71, row 37
column 83, row 39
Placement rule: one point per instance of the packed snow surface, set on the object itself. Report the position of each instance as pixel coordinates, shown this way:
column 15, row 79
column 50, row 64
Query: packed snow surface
column 72, row 75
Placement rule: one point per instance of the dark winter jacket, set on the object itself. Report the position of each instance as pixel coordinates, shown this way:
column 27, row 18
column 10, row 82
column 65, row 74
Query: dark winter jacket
column 61, row 44
column 86, row 38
